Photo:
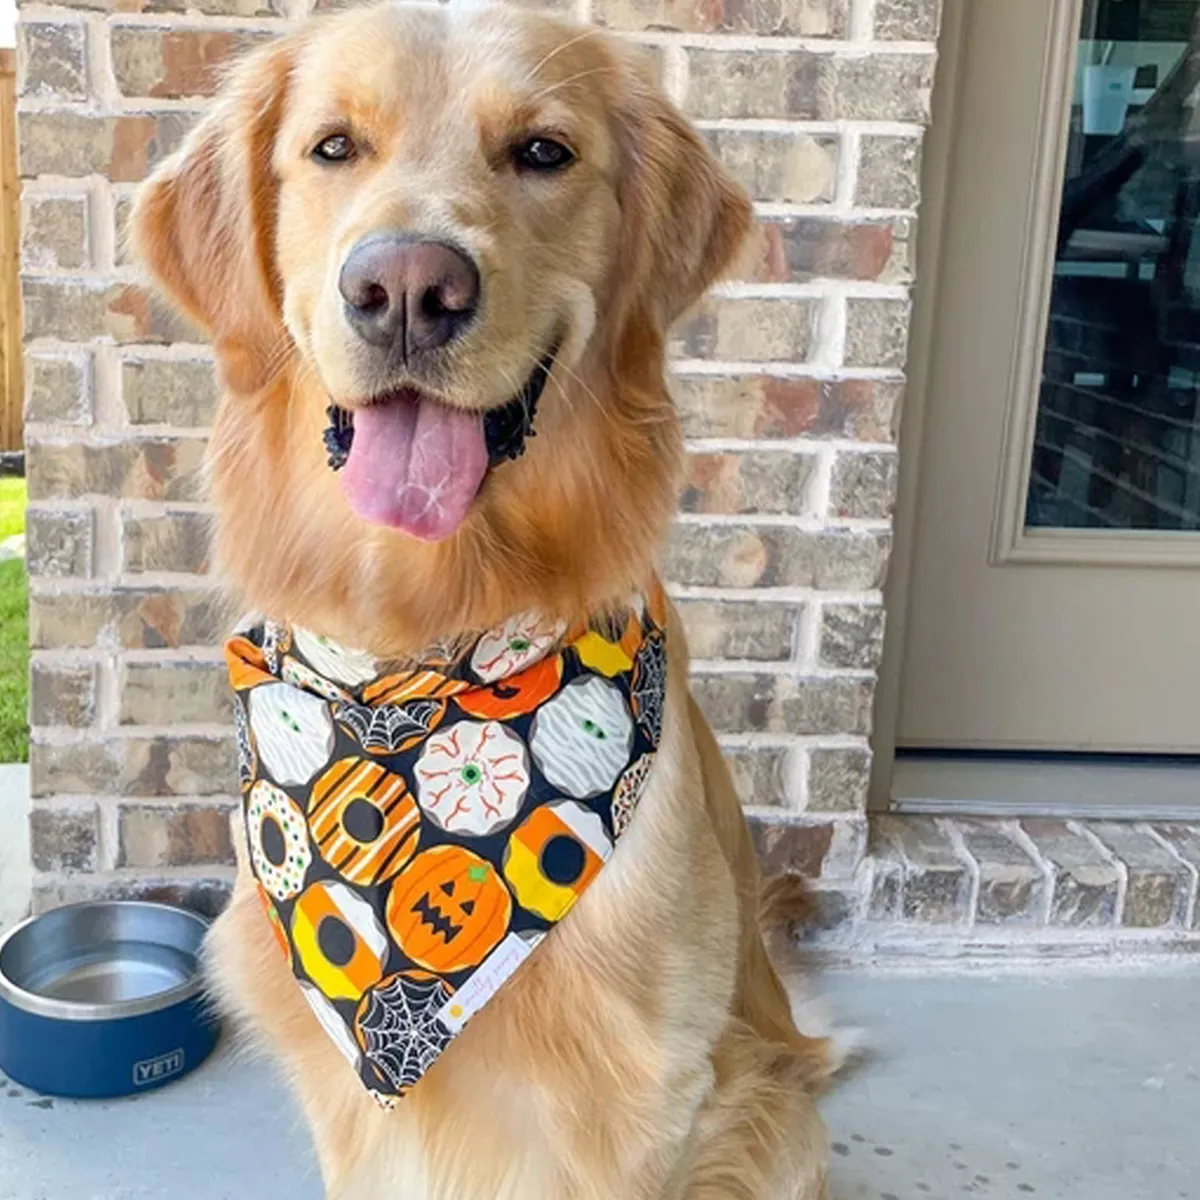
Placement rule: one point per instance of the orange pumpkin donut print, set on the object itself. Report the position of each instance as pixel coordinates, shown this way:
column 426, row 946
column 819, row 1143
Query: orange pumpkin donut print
column 449, row 909
column 516, row 696
column 363, row 820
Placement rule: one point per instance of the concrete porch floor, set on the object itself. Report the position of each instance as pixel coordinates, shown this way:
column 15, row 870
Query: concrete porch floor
column 1039, row 1085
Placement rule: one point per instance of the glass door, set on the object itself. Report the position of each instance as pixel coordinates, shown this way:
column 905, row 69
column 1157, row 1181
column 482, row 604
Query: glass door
column 1054, row 569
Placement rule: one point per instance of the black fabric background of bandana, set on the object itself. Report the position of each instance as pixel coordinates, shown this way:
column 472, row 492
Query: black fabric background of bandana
column 648, row 675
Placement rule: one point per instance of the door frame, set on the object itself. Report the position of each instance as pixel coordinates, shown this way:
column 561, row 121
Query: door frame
column 1009, row 541
column 936, row 155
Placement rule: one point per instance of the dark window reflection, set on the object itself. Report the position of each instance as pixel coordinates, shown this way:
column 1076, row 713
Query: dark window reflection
column 1116, row 444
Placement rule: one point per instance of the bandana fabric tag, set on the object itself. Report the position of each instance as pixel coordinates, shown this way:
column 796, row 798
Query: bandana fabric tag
column 416, row 833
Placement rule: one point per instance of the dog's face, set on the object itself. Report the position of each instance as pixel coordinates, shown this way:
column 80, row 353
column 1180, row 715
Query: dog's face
column 456, row 228
column 448, row 213
column 449, row 165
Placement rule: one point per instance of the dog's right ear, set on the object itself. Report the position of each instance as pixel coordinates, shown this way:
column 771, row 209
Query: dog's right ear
column 684, row 218
column 204, row 222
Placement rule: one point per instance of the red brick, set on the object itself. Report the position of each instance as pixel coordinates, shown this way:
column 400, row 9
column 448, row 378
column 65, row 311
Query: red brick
column 174, row 63
column 768, row 406
column 799, row 249
column 157, row 835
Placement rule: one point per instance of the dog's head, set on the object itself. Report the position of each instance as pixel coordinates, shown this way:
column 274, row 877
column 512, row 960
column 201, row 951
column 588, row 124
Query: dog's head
column 458, row 228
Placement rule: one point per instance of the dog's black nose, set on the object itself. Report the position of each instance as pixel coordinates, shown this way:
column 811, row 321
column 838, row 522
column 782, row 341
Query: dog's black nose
column 407, row 292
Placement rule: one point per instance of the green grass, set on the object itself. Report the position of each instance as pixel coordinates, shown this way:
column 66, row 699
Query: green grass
column 14, row 662
column 14, row 631
column 12, row 506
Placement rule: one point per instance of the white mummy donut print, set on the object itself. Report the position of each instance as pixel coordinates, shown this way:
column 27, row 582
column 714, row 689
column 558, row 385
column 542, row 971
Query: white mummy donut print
column 293, row 732
column 515, row 645
column 342, row 665
column 581, row 739
column 472, row 777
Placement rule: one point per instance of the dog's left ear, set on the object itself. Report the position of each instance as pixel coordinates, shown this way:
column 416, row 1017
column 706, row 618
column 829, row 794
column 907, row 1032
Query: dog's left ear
column 684, row 219
column 204, row 222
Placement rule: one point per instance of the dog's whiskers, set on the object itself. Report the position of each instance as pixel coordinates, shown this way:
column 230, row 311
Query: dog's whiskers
column 562, row 83
column 580, row 383
column 562, row 46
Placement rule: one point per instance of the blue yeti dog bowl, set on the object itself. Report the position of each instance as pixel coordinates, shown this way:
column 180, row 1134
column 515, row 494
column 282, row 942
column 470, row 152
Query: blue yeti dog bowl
column 103, row 999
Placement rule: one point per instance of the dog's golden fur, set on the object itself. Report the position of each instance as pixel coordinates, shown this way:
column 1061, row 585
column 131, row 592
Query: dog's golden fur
column 647, row 1051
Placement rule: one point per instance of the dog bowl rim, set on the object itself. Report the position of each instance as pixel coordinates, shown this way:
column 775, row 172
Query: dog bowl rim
column 89, row 1010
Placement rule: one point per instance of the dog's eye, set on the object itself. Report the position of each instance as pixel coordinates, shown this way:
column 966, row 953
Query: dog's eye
column 337, row 148
column 543, row 154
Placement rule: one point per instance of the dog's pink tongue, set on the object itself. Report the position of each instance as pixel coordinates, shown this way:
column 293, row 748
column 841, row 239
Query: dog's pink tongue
column 415, row 465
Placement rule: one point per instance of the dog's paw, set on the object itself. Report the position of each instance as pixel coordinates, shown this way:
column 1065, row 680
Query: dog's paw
column 813, row 1017
column 848, row 1047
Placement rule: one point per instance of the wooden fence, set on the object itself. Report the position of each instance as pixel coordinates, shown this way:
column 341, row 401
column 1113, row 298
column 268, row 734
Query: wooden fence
column 12, row 386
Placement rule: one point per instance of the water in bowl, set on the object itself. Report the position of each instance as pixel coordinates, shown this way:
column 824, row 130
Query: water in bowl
column 113, row 971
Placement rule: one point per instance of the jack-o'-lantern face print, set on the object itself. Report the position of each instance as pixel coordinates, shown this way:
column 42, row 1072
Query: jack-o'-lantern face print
column 449, row 909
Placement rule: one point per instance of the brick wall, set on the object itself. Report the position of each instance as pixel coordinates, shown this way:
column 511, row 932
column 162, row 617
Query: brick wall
column 788, row 381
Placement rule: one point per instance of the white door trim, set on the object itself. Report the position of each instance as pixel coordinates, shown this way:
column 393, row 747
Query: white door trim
column 936, row 153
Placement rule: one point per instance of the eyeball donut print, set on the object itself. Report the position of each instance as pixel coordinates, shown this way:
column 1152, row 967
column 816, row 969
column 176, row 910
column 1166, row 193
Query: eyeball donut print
column 417, row 829
column 472, row 777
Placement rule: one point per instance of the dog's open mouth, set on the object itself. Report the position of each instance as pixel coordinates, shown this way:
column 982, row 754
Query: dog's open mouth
column 413, row 463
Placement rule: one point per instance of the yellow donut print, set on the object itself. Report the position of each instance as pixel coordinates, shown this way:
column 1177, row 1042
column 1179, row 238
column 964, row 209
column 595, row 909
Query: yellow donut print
column 339, row 940
column 552, row 857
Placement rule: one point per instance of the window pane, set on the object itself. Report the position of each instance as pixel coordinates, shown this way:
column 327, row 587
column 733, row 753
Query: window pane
column 1116, row 444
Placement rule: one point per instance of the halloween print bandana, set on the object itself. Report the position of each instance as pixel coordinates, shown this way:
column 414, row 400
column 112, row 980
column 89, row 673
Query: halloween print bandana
column 415, row 833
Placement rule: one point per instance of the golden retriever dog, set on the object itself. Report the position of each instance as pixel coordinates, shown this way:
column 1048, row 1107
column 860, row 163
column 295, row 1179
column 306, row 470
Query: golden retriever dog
column 408, row 214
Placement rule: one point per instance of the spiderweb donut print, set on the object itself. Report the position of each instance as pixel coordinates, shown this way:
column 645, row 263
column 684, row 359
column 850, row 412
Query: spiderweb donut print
column 628, row 792
column 650, row 685
column 398, row 1027
column 389, row 728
